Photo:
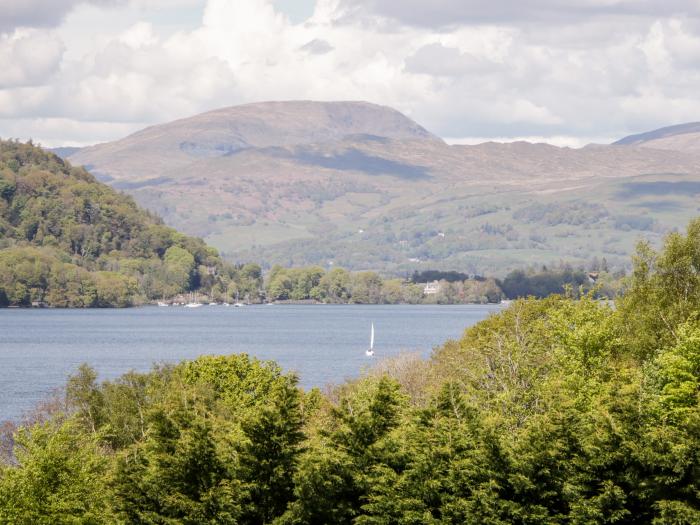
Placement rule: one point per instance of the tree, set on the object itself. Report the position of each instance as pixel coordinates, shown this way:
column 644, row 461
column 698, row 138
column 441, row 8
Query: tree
column 84, row 395
column 333, row 478
column 179, row 267
column 71, row 241
column 663, row 290
column 279, row 287
column 59, row 478
column 177, row 475
column 270, row 454
column 336, row 285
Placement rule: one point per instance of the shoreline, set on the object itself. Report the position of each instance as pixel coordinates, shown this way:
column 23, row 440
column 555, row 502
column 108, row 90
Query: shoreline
column 277, row 303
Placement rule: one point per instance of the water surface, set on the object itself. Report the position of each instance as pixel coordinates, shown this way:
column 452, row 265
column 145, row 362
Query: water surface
column 323, row 344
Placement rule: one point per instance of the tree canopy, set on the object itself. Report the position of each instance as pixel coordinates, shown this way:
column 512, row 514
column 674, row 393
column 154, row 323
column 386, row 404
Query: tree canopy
column 68, row 240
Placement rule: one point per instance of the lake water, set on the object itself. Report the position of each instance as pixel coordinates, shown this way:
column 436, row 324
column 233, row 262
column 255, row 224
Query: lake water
column 322, row 343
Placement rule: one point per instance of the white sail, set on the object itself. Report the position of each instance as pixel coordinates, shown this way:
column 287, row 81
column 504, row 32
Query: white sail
column 370, row 351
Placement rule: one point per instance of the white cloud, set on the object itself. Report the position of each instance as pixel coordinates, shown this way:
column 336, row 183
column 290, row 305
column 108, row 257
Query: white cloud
column 63, row 132
column 139, row 35
column 556, row 140
column 583, row 75
column 28, row 58
column 437, row 60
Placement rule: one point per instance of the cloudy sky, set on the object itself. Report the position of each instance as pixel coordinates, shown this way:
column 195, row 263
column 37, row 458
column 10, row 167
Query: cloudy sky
column 569, row 72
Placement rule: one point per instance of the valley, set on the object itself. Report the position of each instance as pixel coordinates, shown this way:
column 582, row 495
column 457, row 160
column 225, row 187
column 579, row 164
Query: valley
column 361, row 186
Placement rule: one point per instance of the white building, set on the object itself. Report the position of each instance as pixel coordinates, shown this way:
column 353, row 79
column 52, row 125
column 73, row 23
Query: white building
column 431, row 288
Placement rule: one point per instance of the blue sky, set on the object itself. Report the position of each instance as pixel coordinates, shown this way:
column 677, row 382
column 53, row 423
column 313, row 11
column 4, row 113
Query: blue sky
column 296, row 10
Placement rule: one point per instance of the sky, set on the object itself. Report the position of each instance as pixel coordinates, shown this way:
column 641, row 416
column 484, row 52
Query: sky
column 568, row 72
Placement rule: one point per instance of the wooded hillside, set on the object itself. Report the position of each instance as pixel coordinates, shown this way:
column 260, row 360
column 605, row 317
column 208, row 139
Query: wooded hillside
column 69, row 240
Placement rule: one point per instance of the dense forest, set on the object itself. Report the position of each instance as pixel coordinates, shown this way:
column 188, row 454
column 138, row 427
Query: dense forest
column 562, row 410
column 549, row 281
column 68, row 240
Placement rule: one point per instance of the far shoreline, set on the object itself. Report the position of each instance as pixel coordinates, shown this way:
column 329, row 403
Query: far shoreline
column 285, row 303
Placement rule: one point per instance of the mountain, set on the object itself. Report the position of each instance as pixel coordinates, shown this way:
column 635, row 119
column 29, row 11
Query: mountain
column 270, row 126
column 69, row 240
column 65, row 151
column 682, row 137
column 363, row 186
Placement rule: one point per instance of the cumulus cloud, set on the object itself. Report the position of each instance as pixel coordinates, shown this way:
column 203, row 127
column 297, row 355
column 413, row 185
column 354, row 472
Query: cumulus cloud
column 28, row 58
column 438, row 60
column 63, row 131
column 584, row 75
column 39, row 13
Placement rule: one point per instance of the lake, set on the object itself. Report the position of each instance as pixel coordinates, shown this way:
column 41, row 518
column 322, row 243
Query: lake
column 324, row 344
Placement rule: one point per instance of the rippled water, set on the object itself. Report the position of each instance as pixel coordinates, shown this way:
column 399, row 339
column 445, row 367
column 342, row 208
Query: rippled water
column 323, row 343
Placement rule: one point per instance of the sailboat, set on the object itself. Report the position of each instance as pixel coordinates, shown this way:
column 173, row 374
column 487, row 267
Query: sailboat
column 237, row 304
column 193, row 301
column 370, row 352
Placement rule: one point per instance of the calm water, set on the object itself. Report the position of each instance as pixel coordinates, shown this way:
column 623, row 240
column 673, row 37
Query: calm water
column 324, row 343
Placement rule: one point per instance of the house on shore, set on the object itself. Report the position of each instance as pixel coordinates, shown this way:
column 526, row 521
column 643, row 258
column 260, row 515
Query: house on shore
column 431, row 288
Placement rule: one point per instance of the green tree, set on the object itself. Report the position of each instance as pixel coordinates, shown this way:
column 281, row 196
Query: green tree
column 179, row 267
column 336, row 285
column 59, row 477
column 333, row 478
column 85, row 397
column 270, row 454
column 663, row 291
column 177, row 475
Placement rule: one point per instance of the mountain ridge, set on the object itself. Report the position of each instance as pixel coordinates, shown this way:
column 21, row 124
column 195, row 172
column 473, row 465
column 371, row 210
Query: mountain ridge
column 666, row 131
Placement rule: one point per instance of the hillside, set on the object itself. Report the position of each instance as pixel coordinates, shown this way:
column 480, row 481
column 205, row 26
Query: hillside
column 234, row 130
column 69, row 240
column 362, row 186
column 682, row 137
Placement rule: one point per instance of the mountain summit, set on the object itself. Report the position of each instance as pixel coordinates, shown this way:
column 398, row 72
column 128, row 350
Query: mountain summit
column 230, row 130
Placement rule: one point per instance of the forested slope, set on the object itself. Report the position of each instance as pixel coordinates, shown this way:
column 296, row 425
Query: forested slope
column 554, row 411
column 69, row 240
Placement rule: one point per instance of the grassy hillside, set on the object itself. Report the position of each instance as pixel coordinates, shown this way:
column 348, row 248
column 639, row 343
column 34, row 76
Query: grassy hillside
column 494, row 232
column 69, row 240
column 306, row 183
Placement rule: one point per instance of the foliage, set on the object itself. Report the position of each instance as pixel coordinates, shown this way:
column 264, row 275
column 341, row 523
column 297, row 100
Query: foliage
column 437, row 275
column 59, row 477
column 552, row 214
column 68, row 240
column 565, row 410
column 519, row 283
column 663, row 290
column 341, row 286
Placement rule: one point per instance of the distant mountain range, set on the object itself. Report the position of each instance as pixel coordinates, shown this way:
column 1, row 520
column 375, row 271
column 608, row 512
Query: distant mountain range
column 363, row 186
